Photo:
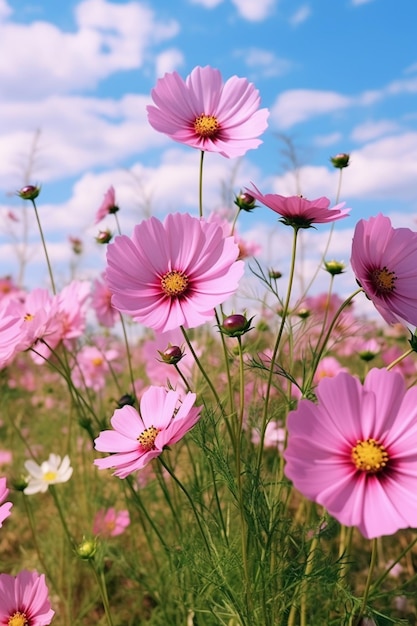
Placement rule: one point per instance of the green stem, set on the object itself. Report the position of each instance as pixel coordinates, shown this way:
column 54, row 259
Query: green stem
column 227, row 366
column 399, row 359
column 368, row 582
column 101, row 583
column 128, row 355
column 284, row 314
column 200, row 184
column 51, row 276
column 61, row 515
column 382, row 577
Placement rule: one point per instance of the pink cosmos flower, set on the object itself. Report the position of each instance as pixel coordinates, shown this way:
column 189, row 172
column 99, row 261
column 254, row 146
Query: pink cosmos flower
column 328, row 367
column 106, row 314
column 172, row 273
column 164, row 419
column 205, row 113
column 92, row 367
column 355, row 451
column 6, row 506
column 110, row 523
column 24, row 600
column 108, row 205
column 299, row 212
column 384, row 260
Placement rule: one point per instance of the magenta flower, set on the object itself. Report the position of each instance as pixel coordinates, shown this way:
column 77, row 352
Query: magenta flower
column 172, row 273
column 205, row 113
column 164, row 419
column 108, row 206
column 6, row 506
column 355, row 451
column 24, row 600
column 299, row 212
column 110, row 523
column 384, row 260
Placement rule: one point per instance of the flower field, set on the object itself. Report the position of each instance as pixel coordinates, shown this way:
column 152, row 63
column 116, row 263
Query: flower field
column 169, row 460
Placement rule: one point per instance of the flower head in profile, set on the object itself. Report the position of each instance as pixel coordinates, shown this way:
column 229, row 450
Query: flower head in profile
column 110, row 523
column 355, row 451
column 172, row 273
column 24, row 600
column 4, row 506
column 108, row 206
column 49, row 472
column 205, row 113
column 299, row 212
column 384, row 260
column 136, row 438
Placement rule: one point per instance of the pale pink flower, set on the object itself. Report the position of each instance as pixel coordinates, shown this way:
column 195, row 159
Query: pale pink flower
column 110, row 523
column 329, row 366
column 106, row 314
column 172, row 273
column 92, row 367
column 72, row 310
column 165, row 417
column 299, row 212
column 355, row 451
column 274, row 436
column 205, row 113
column 4, row 506
column 108, row 205
column 24, row 600
column 384, row 260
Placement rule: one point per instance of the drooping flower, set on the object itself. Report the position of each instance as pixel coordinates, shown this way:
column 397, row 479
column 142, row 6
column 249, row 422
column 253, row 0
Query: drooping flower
column 355, row 451
column 299, row 212
column 50, row 472
column 172, row 273
column 24, row 600
column 384, row 260
column 205, row 113
column 108, row 206
column 4, row 506
column 106, row 314
column 165, row 417
column 110, row 523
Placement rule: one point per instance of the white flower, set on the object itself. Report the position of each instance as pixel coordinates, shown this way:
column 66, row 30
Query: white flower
column 48, row 473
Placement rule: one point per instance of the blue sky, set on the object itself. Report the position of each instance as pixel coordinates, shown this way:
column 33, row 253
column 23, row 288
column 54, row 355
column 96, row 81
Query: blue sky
column 75, row 80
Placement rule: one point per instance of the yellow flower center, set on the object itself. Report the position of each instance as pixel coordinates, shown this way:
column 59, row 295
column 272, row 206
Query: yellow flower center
column 369, row 456
column 28, row 317
column 49, row 476
column 147, row 438
column 18, row 619
column 206, row 125
column 383, row 280
column 174, row 283
column 97, row 361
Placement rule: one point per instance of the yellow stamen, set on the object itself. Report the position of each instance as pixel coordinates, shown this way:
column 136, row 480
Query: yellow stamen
column 174, row 283
column 206, row 125
column 147, row 438
column 369, row 456
column 28, row 317
column 383, row 280
column 49, row 476
column 97, row 361
column 18, row 619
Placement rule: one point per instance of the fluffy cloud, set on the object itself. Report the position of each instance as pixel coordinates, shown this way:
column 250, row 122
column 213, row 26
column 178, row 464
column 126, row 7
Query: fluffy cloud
column 301, row 15
column 110, row 37
column 297, row 105
column 264, row 62
column 254, row 11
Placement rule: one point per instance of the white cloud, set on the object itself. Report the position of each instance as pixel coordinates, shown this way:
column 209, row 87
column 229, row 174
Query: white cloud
column 5, row 9
column 370, row 130
column 297, row 105
column 254, row 10
column 168, row 61
column 208, row 4
column 264, row 62
column 301, row 15
column 357, row 3
column 328, row 140
column 110, row 37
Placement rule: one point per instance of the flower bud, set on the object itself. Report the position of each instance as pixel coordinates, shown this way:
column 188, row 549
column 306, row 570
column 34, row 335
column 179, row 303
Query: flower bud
column 76, row 244
column 245, row 201
column 87, row 549
column 172, row 355
column 334, row 267
column 19, row 483
column 340, row 161
column 274, row 274
column 235, row 325
column 104, row 236
column 29, row 192
column 303, row 313
column 126, row 400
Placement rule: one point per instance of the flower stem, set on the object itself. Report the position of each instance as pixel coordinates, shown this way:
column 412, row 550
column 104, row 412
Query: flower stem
column 400, row 358
column 51, row 276
column 368, row 582
column 200, row 184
